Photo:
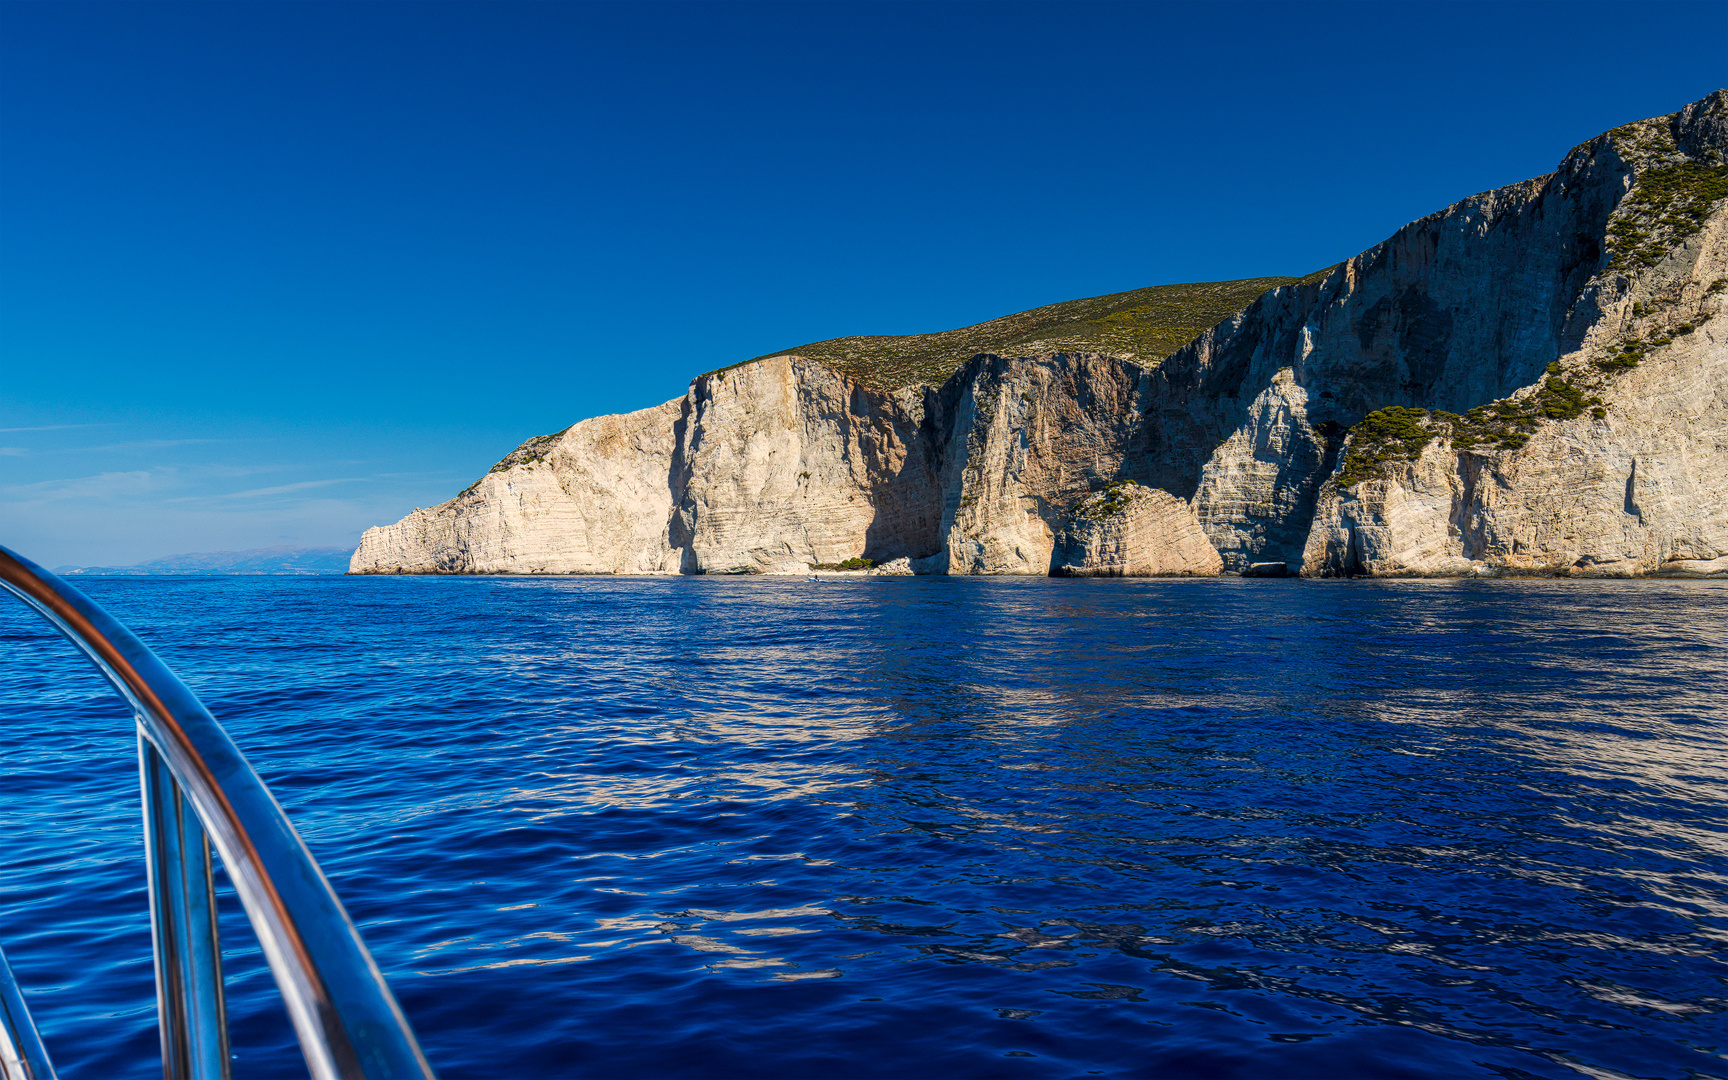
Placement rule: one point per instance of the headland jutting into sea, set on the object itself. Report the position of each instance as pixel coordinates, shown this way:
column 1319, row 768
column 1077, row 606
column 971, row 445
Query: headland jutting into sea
column 1533, row 380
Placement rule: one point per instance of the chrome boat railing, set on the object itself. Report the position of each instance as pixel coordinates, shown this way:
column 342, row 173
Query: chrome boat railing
column 199, row 790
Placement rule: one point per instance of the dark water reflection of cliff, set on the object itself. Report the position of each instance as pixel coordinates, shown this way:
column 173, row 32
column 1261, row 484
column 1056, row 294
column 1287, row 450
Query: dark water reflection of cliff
column 932, row 828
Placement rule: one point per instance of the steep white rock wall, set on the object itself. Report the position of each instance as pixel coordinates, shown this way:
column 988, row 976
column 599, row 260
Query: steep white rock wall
column 764, row 468
column 1021, row 440
column 1637, row 491
column 1264, row 474
column 785, row 463
column 782, row 463
column 1133, row 531
column 1460, row 308
column 593, row 499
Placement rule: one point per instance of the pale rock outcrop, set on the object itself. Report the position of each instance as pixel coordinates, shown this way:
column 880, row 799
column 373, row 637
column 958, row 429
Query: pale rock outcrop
column 780, row 464
column 901, row 567
column 785, row 463
column 765, row 468
column 1640, row 490
column 1696, row 567
column 1264, row 474
column 1462, row 307
column 1643, row 489
column 1020, row 440
column 1133, row 531
column 591, row 499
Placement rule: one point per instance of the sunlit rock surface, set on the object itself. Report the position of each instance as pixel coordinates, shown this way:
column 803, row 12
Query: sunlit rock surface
column 1133, row 531
column 1235, row 443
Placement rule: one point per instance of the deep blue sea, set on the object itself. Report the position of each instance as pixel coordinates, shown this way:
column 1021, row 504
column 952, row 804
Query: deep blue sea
column 947, row 828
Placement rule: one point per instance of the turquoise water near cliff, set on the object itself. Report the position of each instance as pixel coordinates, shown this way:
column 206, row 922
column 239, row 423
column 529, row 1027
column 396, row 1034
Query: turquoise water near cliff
column 928, row 827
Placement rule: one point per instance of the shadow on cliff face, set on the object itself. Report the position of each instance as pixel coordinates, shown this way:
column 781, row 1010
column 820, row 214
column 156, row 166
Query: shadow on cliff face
column 1458, row 309
column 1020, row 440
column 905, row 490
column 679, row 536
column 731, row 464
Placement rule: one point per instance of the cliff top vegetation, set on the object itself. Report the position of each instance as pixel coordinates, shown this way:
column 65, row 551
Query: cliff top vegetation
column 1143, row 325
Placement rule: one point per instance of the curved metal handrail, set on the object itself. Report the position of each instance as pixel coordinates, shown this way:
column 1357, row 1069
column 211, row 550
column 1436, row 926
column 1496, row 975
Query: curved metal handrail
column 348, row 1022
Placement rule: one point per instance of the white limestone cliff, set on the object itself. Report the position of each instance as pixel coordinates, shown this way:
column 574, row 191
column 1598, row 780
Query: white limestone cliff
column 1640, row 490
column 785, row 463
column 591, row 499
column 765, row 468
column 1132, row 531
column 1236, row 442
column 1021, row 440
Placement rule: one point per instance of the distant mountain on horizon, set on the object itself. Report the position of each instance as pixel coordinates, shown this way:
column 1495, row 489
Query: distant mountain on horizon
column 299, row 561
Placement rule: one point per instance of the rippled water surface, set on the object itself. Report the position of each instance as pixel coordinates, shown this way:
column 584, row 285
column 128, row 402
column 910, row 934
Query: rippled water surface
column 927, row 827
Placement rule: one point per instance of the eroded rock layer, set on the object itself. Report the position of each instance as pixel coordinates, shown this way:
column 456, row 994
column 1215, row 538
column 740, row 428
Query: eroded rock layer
column 1131, row 531
column 1550, row 358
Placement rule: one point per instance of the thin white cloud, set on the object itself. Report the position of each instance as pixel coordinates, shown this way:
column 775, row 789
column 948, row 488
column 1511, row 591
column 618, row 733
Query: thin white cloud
column 304, row 485
column 50, row 427
column 128, row 484
column 141, row 444
column 90, row 532
column 108, row 485
column 12, row 451
column 119, row 517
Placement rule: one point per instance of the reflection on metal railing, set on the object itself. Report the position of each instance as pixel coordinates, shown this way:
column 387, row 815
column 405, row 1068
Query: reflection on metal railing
column 198, row 791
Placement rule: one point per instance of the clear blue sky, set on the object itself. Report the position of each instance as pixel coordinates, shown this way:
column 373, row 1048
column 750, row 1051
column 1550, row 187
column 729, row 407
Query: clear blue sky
column 273, row 273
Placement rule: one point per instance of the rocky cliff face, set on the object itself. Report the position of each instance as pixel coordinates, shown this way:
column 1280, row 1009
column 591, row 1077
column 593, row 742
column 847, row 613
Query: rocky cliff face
column 1552, row 353
column 594, row 499
column 760, row 469
column 1634, row 485
column 1131, row 531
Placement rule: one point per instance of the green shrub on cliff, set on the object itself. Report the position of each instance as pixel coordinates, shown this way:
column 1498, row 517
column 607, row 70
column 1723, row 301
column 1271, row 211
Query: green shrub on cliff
column 1106, row 503
column 1669, row 200
column 847, row 564
column 1561, row 400
column 1394, row 433
column 530, row 453
column 1144, row 324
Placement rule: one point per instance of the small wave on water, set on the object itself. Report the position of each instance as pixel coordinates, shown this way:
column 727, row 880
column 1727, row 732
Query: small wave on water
column 959, row 828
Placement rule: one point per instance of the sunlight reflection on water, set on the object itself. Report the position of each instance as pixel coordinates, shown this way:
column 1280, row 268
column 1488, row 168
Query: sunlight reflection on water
column 966, row 828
